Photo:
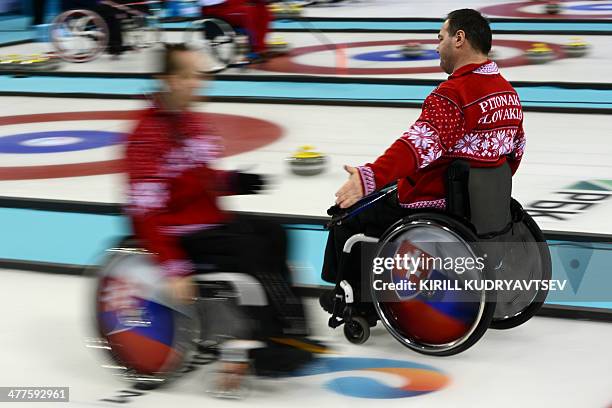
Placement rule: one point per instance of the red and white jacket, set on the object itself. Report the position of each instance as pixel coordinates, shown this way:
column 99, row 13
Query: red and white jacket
column 172, row 188
column 476, row 115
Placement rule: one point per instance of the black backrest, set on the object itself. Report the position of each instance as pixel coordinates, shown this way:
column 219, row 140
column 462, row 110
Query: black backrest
column 480, row 194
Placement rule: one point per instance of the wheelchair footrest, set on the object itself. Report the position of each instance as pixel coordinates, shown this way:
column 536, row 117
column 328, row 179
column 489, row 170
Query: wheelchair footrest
column 334, row 322
column 216, row 289
column 339, row 312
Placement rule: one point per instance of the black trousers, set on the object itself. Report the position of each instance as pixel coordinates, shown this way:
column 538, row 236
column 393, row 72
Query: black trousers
column 38, row 12
column 259, row 248
column 373, row 221
column 112, row 17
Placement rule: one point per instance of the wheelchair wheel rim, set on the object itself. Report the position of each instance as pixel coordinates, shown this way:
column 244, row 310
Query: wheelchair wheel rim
column 456, row 336
column 144, row 333
column 62, row 25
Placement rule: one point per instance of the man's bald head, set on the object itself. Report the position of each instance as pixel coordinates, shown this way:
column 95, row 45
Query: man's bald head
column 181, row 73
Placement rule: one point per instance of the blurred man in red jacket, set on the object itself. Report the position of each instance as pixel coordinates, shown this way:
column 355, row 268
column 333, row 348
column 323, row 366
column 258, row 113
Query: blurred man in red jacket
column 173, row 200
column 475, row 115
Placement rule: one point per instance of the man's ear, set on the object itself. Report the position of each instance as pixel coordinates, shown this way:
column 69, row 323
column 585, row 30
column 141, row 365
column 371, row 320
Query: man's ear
column 459, row 38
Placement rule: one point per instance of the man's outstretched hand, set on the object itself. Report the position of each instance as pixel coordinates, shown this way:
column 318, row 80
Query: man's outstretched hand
column 351, row 191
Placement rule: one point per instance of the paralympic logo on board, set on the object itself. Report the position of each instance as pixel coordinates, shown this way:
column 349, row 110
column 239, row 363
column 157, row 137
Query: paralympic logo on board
column 417, row 379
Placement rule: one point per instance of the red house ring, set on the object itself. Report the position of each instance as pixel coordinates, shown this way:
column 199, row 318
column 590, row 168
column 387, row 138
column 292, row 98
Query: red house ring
column 244, row 134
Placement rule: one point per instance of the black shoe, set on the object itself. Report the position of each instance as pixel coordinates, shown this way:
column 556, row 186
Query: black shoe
column 118, row 50
column 326, row 300
column 284, row 355
column 278, row 359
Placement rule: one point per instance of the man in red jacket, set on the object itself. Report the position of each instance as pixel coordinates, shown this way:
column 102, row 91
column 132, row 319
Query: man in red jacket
column 475, row 115
column 173, row 194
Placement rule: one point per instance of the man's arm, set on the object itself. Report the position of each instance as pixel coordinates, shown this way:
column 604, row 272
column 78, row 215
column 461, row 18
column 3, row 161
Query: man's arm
column 514, row 160
column 440, row 125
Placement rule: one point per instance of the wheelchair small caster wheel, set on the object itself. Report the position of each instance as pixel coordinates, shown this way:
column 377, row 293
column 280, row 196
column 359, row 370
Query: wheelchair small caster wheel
column 146, row 385
column 357, row 330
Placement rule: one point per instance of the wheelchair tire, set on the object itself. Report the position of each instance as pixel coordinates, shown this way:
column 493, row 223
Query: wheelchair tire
column 148, row 338
column 440, row 326
column 99, row 34
column 504, row 320
column 357, row 330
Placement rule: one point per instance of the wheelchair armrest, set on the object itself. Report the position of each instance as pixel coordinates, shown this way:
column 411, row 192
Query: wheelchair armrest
column 348, row 245
column 340, row 214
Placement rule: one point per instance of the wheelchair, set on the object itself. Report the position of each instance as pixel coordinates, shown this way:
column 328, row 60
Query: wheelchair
column 225, row 46
column 228, row 46
column 81, row 35
column 150, row 339
column 481, row 222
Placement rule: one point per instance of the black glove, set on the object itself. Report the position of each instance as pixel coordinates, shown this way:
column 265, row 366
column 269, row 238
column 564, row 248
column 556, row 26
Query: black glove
column 334, row 210
column 249, row 183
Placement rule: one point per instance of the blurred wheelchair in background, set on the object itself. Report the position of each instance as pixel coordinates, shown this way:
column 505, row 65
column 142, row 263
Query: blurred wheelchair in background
column 228, row 46
column 481, row 221
column 224, row 45
column 81, row 35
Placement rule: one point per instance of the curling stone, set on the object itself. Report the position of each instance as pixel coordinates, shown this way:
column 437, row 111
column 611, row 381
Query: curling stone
column 10, row 62
column 307, row 162
column 412, row 50
column 277, row 45
column 282, row 11
column 539, row 53
column 39, row 62
column 33, row 62
column 553, row 7
column 576, row 48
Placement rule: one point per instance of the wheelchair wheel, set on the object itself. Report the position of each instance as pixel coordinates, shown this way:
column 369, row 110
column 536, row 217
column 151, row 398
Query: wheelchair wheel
column 79, row 35
column 441, row 321
column 526, row 258
column 148, row 337
column 357, row 330
column 215, row 37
